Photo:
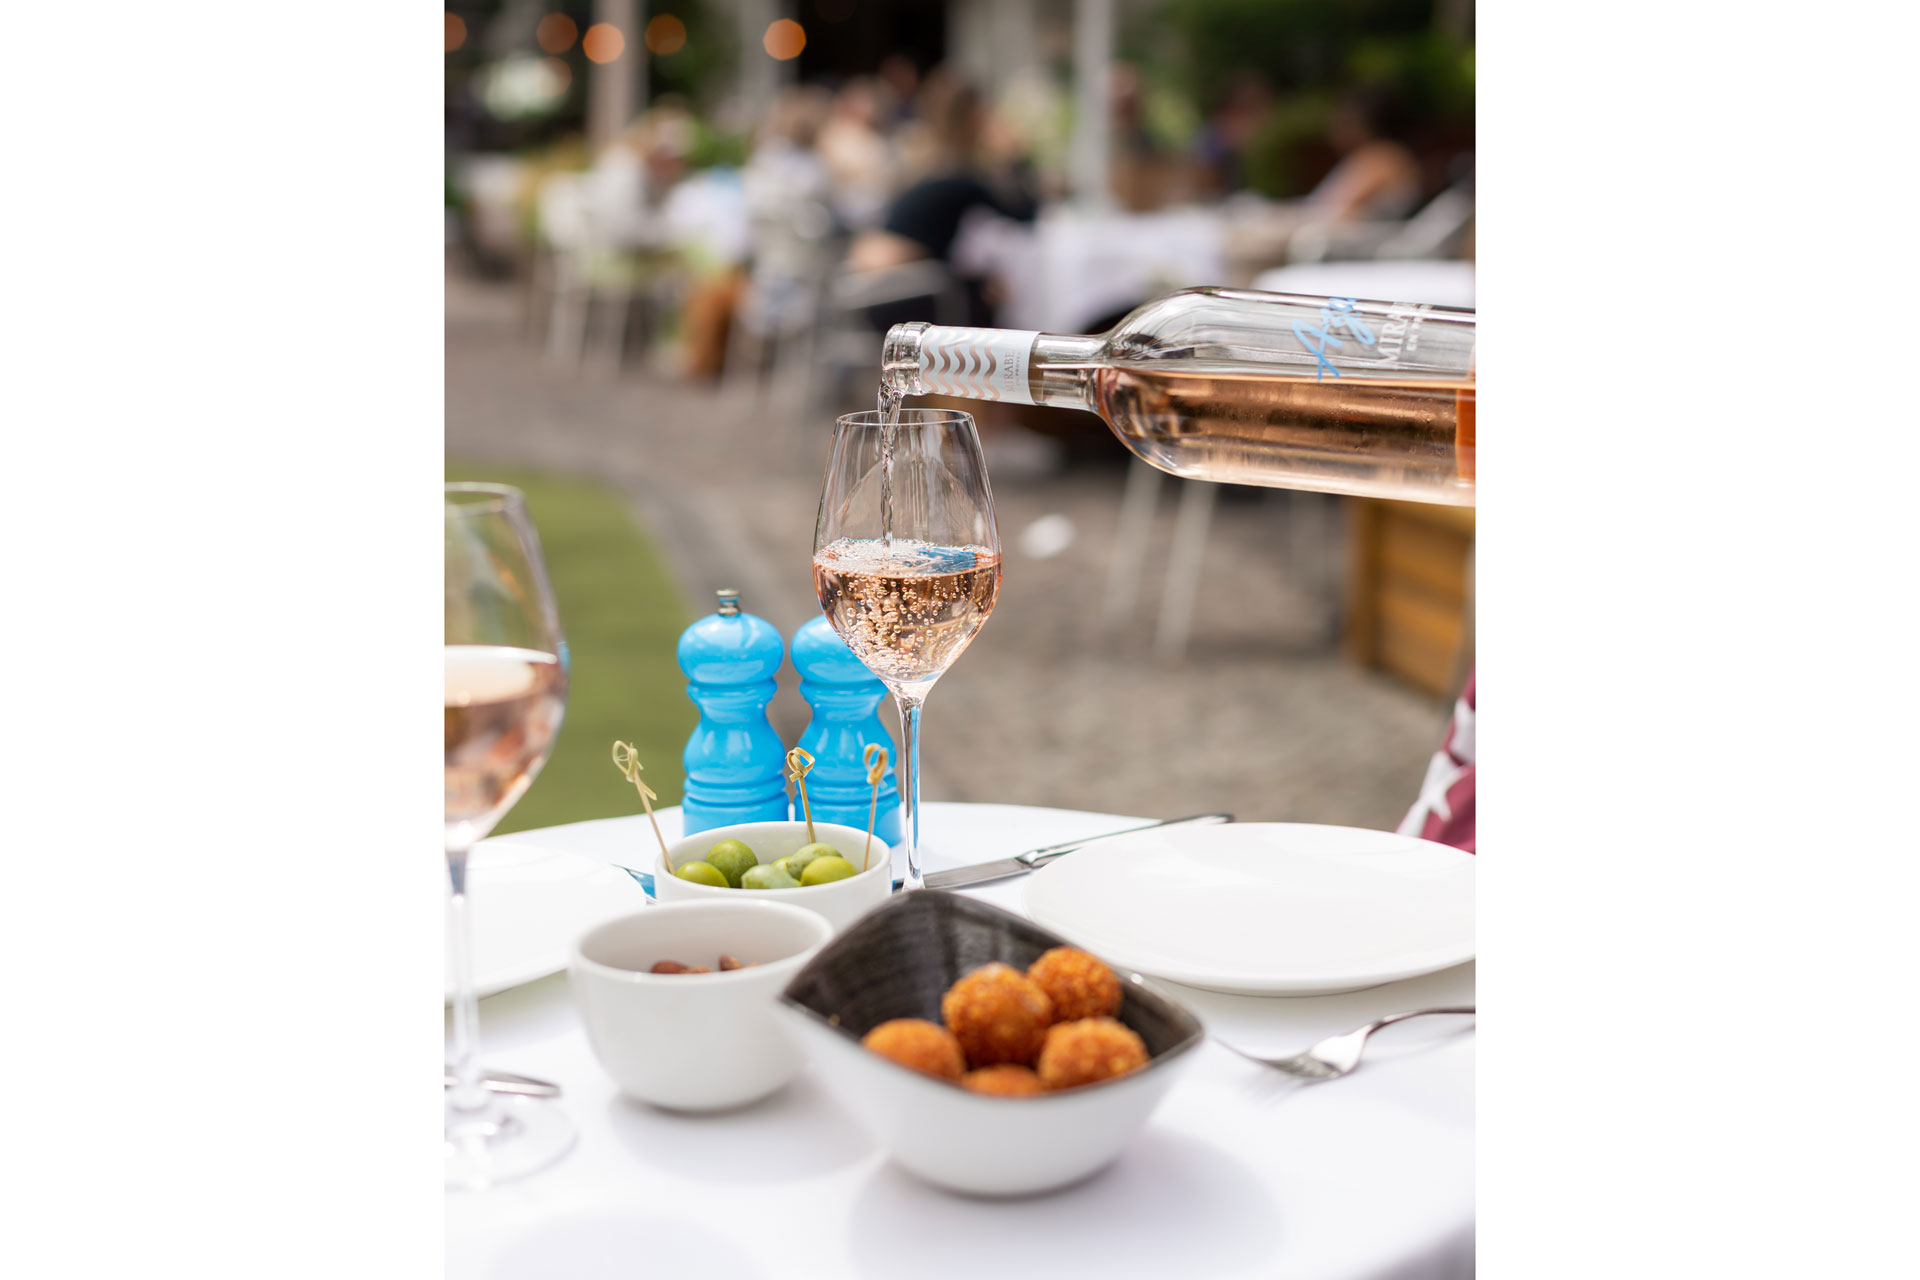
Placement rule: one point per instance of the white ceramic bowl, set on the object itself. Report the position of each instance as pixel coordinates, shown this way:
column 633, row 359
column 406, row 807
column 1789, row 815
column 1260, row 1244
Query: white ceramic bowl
column 702, row 1041
column 895, row 964
column 840, row 901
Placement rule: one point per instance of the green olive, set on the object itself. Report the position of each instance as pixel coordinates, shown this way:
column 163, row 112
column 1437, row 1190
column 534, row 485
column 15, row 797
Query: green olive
column 767, row 877
column 827, row 869
column 703, row 873
column 733, row 858
column 807, row 853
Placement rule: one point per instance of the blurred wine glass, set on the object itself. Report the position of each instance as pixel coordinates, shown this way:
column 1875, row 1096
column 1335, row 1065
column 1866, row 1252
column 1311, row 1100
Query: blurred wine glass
column 506, row 693
column 906, row 562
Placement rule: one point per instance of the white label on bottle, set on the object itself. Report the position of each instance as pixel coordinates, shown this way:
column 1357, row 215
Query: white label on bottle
column 976, row 364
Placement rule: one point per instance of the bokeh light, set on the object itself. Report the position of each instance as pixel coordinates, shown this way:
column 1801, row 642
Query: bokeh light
column 456, row 31
column 604, row 42
column 525, row 87
column 556, row 33
column 784, row 39
column 665, row 34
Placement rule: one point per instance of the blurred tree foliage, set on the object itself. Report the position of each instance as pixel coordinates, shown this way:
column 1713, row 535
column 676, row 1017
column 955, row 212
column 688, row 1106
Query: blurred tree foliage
column 698, row 70
column 1308, row 53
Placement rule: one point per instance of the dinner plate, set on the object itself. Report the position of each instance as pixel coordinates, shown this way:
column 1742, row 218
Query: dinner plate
column 1264, row 908
column 529, row 904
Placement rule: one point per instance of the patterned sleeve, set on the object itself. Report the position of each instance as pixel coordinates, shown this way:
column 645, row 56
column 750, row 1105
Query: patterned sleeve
column 1444, row 811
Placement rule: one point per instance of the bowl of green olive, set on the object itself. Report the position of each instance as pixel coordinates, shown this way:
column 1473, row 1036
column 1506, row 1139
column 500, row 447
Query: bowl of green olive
column 829, row 869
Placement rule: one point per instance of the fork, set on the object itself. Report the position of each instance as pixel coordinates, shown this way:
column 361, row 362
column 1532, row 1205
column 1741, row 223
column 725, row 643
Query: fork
column 1337, row 1055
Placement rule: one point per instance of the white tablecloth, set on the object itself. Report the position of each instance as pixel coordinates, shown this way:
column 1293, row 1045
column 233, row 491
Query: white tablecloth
column 1241, row 1173
column 1444, row 284
column 1074, row 267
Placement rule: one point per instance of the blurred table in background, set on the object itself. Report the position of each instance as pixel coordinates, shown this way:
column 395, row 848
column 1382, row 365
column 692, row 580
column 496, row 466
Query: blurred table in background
column 1074, row 269
column 1438, row 283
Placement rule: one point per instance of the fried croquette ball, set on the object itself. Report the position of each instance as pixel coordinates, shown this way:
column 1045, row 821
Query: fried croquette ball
column 997, row 1015
column 1004, row 1080
column 1077, row 983
column 1088, row 1050
column 918, row 1045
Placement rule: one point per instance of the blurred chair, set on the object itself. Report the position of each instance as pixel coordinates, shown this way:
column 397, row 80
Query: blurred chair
column 599, row 251
column 565, row 244
column 1439, row 229
column 845, row 340
column 794, row 251
column 1132, row 539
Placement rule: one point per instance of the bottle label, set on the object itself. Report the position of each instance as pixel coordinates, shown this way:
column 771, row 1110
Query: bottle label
column 976, row 364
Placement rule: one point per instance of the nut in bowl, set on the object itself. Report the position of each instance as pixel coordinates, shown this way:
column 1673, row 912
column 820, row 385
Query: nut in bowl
column 677, row 1037
column 744, row 860
column 984, row 1127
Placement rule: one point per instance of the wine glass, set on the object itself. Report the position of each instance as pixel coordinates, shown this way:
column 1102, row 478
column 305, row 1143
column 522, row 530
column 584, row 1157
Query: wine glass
column 506, row 694
column 906, row 561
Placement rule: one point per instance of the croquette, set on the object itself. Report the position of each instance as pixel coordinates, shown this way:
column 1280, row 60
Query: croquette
column 918, row 1045
column 1088, row 1050
column 997, row 1015
column 1004, row 1080
column 1077, row 983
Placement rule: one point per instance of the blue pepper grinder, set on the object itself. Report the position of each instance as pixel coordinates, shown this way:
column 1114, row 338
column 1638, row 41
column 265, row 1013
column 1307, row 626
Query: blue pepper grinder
column 734, row 760
column 845, row 698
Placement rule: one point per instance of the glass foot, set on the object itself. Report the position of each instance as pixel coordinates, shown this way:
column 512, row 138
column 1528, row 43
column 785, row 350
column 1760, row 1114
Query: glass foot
column 509, row 1138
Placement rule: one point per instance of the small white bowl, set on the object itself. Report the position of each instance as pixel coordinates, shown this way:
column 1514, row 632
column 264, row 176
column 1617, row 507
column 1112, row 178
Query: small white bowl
column 840, row 901
column 701, row 1041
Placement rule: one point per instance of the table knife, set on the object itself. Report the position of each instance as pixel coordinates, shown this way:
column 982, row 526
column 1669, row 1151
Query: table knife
column 507, row 1082
column 1021, row 863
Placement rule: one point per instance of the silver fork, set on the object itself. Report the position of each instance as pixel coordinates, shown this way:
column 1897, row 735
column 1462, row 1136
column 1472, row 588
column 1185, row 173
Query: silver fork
column 1337, row 1055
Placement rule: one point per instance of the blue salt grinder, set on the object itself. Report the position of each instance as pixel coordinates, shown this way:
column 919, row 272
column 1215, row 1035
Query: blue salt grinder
column 845, row 698
column 734, row 760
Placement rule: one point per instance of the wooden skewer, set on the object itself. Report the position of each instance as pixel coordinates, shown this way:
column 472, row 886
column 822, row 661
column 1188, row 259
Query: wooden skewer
column 799, row 762
column 876, row 774
column 628, row 762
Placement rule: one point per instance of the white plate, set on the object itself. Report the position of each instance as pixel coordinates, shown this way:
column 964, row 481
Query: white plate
column 1265, row 908
column 529, row 904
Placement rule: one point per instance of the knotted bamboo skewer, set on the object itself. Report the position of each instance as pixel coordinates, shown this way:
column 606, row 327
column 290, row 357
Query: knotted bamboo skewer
column 627, row 761
column 799, row 762
column 876, row 774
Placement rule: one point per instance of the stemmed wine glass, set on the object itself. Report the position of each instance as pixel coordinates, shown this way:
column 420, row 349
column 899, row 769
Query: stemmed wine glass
column 506, row 694
column 906, row 561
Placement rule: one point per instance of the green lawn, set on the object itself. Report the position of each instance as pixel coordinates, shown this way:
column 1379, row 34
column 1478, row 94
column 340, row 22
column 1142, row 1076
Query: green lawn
column 622, row 616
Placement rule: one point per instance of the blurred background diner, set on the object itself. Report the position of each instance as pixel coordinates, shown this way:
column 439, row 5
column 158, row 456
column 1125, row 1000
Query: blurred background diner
column 676, row 230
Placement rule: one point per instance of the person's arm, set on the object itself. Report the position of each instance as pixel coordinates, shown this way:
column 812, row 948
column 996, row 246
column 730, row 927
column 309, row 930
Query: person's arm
column 1361, row 179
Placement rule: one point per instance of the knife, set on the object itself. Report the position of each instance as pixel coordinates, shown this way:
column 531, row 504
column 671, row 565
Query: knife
column 1021, row 863
column 507, row 1082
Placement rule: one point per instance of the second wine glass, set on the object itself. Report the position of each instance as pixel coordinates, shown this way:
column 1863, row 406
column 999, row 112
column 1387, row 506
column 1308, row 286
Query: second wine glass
column 906, row 561
column 506, row 696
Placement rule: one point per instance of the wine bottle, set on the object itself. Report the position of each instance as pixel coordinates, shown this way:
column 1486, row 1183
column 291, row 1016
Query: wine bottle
column 1285, row 390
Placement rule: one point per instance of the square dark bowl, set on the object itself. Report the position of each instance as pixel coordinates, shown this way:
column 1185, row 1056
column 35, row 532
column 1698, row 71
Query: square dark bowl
column 899, row 959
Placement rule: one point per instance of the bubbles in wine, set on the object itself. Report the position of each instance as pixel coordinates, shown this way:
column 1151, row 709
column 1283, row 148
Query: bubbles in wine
column 906, row 608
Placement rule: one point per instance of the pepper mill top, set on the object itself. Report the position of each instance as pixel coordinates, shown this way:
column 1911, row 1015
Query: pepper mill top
column 729, row 646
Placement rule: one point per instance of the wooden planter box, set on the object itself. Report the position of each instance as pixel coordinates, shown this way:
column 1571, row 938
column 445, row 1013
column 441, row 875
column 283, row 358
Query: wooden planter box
column 1410, row 592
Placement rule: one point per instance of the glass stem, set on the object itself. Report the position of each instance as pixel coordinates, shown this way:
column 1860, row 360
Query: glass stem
column 467, row 1093
column 910, row 788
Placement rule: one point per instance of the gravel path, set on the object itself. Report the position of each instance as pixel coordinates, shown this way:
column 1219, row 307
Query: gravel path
column 1049, row 706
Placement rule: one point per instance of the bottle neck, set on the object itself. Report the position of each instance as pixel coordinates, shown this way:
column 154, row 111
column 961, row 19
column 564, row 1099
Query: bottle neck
column 1060, row 370
column 1017, row 365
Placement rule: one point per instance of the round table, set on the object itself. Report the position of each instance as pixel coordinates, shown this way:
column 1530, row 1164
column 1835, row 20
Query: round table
column 1242, row 1172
